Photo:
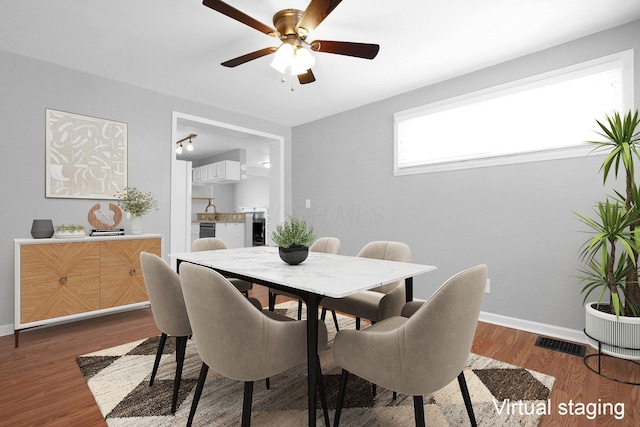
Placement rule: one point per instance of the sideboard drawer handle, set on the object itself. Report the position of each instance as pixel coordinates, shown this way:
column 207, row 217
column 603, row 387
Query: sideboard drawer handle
column 132, row 272
column 62, row 280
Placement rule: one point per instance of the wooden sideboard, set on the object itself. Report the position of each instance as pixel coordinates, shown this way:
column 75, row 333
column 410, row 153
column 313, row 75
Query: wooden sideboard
column 58, row 280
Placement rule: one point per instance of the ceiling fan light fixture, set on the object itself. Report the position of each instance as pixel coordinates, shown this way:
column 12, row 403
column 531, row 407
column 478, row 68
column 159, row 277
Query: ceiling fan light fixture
column 302, row 61
column 283, row 57
column 179, row 148
column 297, row 58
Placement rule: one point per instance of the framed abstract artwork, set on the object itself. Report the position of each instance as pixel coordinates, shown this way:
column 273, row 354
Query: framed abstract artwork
column 86, row 157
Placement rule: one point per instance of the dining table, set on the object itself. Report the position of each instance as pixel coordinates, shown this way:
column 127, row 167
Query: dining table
column 320, row 275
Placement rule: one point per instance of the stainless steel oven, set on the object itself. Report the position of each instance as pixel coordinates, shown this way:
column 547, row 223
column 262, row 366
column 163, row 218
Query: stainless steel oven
column 207, row 229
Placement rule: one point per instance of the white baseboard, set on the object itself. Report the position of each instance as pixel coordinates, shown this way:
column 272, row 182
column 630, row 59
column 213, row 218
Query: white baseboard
column 534, row 327
column 6, row 330
column 9, row 328
column 495, row 319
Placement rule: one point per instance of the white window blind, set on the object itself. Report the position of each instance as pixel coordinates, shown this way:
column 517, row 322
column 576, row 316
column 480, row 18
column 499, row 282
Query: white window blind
column 548, row 116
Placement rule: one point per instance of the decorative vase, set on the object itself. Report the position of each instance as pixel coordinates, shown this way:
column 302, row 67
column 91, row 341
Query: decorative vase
column 136, row 224
column 295, row 255
column 42, row 228
column 619, row 337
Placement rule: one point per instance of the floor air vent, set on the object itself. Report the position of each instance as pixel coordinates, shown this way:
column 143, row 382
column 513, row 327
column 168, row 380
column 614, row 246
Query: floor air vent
column 561, row 346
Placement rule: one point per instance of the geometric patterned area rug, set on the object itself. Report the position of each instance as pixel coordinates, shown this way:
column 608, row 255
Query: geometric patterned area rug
column 118, row 377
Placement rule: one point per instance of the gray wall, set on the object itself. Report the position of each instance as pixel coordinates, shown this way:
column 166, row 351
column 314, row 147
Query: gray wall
column 517, row 219
column 28, row 87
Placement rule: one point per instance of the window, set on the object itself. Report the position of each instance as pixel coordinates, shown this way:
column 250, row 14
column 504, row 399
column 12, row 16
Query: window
column 548, row 116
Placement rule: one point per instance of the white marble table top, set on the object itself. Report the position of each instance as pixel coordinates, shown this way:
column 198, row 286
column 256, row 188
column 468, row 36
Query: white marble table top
column 323, row 274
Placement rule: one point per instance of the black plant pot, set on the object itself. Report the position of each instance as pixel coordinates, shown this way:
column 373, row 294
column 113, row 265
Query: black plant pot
column 295, row 255
column 42, row 228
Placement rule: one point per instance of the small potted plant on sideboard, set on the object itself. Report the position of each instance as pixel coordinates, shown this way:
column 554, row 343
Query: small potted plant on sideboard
column 69, row 231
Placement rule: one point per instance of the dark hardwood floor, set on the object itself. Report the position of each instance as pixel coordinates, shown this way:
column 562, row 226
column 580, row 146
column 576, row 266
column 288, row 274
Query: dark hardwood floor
column 42, row 385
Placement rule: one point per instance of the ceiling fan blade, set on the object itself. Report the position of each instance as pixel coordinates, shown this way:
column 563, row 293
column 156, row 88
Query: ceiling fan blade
column 234, row 13
column 316, row 12
column 307, row 77
column 248, row 57
column 360, row 50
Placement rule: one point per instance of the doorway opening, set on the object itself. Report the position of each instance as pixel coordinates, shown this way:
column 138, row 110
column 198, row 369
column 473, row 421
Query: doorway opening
column 262, row 156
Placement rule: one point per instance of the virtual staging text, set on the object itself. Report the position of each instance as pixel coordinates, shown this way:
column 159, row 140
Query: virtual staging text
column 590, row 410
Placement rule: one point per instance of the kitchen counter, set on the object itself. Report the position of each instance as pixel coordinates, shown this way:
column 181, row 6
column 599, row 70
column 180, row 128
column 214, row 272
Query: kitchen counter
column 221, row 217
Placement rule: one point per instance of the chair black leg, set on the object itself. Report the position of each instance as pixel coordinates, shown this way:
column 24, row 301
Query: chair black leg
column 267, row 383
column 395, row 395
column 323, row 395
column 163, row 340
column 357, row 323
column 181, row 346
column 340, row 402
column 374, row 389
column 335, row 320
column 324, row 314
column 418, row 409
column 272, row 301
column 196, row 397
column 467, row 399
column 299, row 309
column 246, row 404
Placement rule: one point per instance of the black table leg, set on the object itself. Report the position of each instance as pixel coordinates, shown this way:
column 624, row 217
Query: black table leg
column 408, row 283
column 312, row 301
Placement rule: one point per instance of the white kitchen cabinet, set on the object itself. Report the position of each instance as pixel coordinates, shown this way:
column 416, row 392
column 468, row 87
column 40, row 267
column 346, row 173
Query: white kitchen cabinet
column 217, row 173
column 227, row 170
column 232, row 233
column 199, row 175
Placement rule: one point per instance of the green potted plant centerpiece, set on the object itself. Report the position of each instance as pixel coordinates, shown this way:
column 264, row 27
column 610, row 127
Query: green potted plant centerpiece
column 610, row 255
column 69, row 231
column 293, row 238
column 137, row 204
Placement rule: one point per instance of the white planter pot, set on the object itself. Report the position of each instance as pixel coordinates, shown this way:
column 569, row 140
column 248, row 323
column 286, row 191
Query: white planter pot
column 618, row 336
column 136, row 225
column 69, row 234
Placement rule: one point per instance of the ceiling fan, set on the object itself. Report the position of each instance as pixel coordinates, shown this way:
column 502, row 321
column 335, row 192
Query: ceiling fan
column 292, row 27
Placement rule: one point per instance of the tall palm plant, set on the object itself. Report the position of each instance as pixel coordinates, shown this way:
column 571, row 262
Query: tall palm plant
column 603, row 269
column 618, row 221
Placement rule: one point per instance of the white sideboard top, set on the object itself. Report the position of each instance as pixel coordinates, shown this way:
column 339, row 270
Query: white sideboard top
column 32, row 241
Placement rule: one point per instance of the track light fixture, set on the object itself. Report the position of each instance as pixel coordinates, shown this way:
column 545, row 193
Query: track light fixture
column 189, row 144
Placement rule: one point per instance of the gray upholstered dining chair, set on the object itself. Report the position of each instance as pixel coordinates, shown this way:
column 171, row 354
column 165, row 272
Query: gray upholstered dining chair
column 328, row 245
column 169, row 312
column 238, row 341
column 420, row 354
column 215, row 243
column 379, row 303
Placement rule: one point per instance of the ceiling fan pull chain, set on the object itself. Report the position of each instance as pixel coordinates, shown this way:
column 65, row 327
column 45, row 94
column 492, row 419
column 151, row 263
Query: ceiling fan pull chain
column 283, row 79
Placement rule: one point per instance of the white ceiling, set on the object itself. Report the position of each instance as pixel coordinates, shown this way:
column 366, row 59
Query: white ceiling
column 212, row 140
column 176, row 46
